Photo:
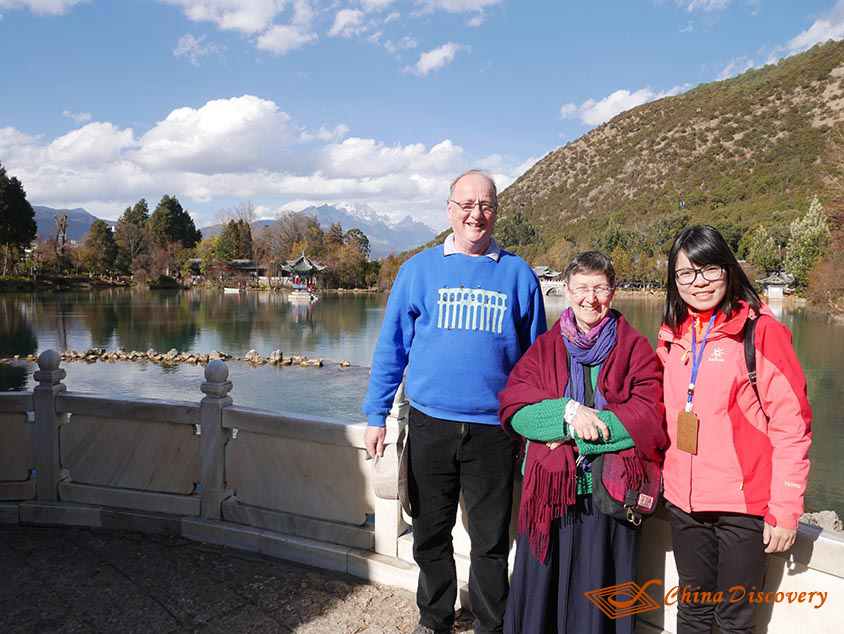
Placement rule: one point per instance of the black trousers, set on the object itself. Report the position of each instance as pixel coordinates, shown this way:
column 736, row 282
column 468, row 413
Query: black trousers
column 717, row 552
column 445, row 458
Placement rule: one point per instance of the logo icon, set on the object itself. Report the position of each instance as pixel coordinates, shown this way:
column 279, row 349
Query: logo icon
column 717, row 355
column 623, row 599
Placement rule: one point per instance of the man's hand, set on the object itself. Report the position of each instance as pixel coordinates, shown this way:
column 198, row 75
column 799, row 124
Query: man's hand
column 587, row 425
column 373, row 438
column 778, row 539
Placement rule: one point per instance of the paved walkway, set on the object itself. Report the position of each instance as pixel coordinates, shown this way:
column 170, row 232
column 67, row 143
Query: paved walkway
column 74, row 580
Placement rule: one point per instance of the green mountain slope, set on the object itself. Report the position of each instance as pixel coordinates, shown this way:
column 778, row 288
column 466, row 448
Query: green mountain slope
column 733, row 153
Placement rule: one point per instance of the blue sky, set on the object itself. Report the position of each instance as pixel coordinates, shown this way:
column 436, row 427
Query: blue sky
column 286, row 103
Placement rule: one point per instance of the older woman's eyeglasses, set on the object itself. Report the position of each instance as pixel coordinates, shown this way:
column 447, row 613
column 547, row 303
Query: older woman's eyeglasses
column 710, row 272
column 487, row 208
column 600, row 291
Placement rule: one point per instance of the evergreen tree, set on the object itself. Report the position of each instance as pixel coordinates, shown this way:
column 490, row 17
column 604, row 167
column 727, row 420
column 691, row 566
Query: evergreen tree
column 358, row 239
column 335, row 233
column 244, row 240
column 227, row 243
column 17, row 218
column 101, row 248
column 808, row 239
column 137, row 214
column 514, row 231
column 132, row 235
column 170, row 223
column 762, row 251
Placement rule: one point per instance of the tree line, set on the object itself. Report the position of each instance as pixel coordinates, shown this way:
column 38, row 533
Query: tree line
column 166, row 242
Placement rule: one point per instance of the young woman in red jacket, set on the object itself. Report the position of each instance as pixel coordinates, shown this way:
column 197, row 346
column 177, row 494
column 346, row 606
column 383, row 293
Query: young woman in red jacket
column 736, row 467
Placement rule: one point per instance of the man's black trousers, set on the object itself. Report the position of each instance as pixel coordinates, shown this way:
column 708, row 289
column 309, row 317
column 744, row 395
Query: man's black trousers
column 447, row 457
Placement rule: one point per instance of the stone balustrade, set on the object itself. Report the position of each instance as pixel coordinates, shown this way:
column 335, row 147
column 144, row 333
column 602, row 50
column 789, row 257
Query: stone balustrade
column 287, row 485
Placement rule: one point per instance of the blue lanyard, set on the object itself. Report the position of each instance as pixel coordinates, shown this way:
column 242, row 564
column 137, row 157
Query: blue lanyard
column 697, row 358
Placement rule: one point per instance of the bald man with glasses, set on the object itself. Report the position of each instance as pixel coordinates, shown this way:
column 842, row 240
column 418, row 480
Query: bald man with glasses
column 459, row 317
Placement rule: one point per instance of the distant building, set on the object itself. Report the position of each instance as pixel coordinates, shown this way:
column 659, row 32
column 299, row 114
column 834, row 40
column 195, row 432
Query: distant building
column 546, row 273
column 777, row 284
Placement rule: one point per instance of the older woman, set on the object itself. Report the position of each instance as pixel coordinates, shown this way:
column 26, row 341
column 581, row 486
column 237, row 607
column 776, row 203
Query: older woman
column 591, row 384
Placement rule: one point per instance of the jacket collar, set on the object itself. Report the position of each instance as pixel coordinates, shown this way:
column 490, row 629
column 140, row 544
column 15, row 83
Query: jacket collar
column 723, row 326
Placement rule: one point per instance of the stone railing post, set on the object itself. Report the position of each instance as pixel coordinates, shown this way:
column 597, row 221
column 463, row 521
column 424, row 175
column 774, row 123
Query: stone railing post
column 47, row 424
column 389, row 523
column 213, row 438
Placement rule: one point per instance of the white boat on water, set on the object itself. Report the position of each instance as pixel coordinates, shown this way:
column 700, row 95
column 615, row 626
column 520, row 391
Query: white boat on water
column 300, row 296
column 231, row 289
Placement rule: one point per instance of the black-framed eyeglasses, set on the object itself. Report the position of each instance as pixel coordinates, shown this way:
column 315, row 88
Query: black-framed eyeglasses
column 487, row 208
column 710, row 272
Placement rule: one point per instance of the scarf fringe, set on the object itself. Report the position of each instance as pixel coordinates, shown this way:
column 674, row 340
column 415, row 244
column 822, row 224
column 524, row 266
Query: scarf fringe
column 546, row 495
column 634, row 471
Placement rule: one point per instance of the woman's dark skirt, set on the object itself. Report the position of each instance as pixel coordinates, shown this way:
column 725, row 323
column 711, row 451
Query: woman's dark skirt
column 588, row 551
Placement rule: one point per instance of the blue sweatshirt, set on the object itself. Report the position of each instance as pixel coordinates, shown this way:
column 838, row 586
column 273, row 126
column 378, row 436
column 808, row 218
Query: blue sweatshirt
column 459, row 323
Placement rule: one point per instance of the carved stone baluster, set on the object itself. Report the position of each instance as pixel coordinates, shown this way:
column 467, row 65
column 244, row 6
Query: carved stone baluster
column 213, row 438
column 47, row 424
column 389, row 522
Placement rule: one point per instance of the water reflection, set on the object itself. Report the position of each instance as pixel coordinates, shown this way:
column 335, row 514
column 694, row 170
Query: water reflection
column 16, row 338
column 335, row 328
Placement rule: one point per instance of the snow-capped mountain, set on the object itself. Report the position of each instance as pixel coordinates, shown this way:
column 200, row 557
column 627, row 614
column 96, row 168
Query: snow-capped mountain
column 385, row 236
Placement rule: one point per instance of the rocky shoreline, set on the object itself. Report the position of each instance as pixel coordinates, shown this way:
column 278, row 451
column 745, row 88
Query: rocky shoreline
column 174, row 357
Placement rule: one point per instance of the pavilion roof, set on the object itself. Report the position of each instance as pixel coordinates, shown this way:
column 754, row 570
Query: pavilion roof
column 302, row 264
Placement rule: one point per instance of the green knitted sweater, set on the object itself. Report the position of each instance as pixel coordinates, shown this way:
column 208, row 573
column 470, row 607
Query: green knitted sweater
column 543, row 422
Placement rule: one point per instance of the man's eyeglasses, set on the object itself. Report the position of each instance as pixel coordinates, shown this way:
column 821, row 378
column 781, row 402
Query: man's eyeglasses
column 487, row 208
column 710, row 272
column 600, row 291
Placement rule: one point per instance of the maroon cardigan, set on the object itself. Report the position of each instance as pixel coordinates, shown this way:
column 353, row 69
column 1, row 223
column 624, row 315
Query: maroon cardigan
column 630, row 380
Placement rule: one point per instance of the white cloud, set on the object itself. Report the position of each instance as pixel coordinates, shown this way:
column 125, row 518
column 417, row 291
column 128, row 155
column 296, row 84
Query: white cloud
column 476, row 20
column 736, row 66
column 830, row 26
column 283, row 38
column 224, row 134
column 347, row 23
column 376, row 5
column 193, row 49
column 9, row 137
column 456, row 6
column 41, row 7
column 324, row 134
column 689, row 28
column 242, row 148
column 395, row 15
column 246, row 16
column 79, row 117
column 92, row 144
column 593, row 113
column 703, row 5
column 405, row 43
column 437, row 58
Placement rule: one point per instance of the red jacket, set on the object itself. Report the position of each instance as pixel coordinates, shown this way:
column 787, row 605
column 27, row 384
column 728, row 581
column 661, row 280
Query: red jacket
column 750, row 459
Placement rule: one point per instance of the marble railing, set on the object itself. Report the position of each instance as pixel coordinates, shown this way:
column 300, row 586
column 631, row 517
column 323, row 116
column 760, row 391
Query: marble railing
column 292, row 486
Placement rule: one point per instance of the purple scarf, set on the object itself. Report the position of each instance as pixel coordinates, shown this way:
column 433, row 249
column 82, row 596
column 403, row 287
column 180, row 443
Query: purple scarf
column 590, row 349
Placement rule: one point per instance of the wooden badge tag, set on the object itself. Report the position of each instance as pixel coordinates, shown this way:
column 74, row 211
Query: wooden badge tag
column 687, row 424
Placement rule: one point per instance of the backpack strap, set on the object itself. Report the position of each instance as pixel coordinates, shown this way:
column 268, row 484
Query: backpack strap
column 749, row 335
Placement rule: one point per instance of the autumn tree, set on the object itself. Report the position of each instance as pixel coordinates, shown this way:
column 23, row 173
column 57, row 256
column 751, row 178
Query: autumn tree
column 17, row 218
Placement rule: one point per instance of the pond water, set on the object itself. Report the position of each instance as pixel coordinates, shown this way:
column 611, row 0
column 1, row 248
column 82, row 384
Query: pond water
column 337, row 327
